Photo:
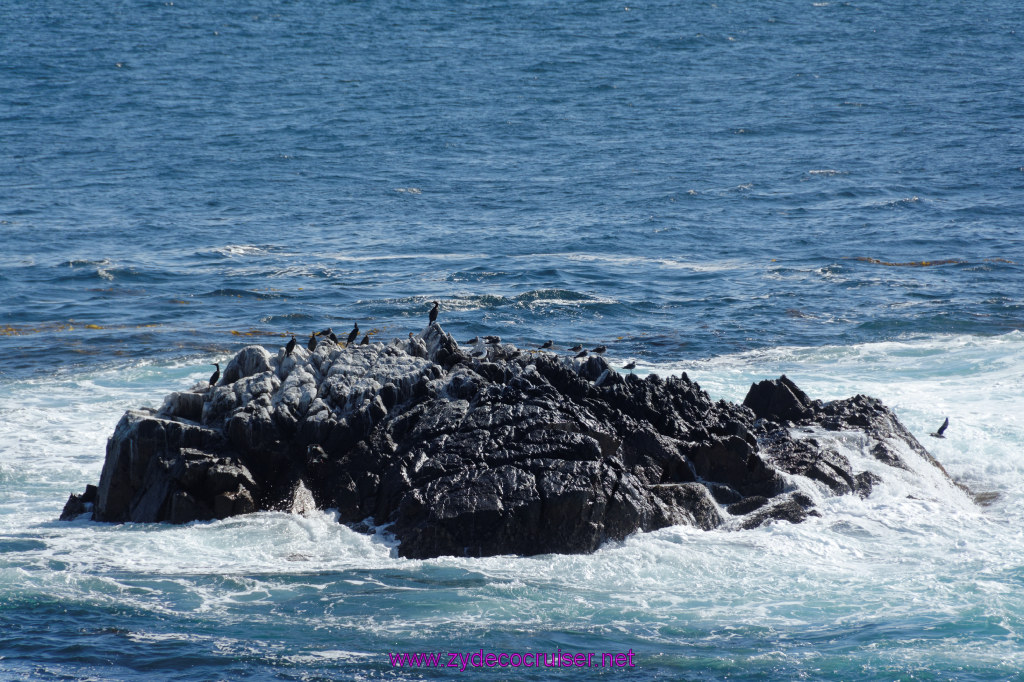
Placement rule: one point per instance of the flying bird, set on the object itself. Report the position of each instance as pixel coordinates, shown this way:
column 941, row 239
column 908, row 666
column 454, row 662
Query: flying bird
column 942, row 429
column 216, row 375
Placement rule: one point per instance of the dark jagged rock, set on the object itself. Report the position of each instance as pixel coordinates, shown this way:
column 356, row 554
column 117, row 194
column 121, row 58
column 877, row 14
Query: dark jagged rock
column 483, row 451
column 778, row 400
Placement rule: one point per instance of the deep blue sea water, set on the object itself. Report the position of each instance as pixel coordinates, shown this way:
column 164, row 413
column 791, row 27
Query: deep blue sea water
column 830, row 189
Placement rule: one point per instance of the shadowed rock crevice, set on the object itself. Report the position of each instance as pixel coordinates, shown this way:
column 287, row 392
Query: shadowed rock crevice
column 479, row 453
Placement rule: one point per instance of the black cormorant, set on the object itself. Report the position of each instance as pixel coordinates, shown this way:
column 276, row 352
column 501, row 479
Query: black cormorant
column 546, row 344
column 942, row 429
column 365, row 341
column 290, row 347
column 216, row 375
column 433, row 312
column 311, row 344
column 353, row 334
column 333, row 338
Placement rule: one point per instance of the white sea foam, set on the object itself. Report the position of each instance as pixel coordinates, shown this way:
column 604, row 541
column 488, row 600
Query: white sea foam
column 917, row 550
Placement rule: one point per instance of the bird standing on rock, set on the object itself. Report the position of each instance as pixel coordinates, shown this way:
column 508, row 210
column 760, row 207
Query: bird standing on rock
column 577, row 347
column 942, row 429
column 631, row 366
column 353, row 334
column 216, row 375
column 311, row 344
column 333, row 338
column 326, row 332
column 582, row 354
column 291, row 346
column 599, row 349
column 433, row 312
column 492, row 339
column 472, row 341
column 365, row 341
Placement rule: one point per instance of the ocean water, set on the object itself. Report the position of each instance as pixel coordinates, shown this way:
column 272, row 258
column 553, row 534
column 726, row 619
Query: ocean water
column 833, row 190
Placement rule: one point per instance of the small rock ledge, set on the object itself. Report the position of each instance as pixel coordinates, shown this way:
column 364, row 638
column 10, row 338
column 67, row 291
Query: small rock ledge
column 482, row 451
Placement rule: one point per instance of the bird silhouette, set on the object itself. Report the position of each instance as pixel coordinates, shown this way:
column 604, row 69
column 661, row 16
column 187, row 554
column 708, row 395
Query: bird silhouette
column 599, row 349
column 353, row 334
column 546, row 344
column 216, row 375
column 472, row 341
column 325, row 332
column 631, row 366
column 582, row 354
column 291, row 346
column 492, row 339
column 942, row 429
column 365, row 341
column 577, row 347
column 311, row 344
column 433, row 312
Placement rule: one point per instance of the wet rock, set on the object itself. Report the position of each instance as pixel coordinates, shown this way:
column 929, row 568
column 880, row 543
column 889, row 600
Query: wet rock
column 493, row 450
column 79, row 504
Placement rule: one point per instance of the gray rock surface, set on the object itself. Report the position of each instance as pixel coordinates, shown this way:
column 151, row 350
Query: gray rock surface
column 479, row 451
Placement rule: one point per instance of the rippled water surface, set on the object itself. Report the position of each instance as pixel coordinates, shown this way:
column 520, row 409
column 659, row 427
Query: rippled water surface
column 834, row 190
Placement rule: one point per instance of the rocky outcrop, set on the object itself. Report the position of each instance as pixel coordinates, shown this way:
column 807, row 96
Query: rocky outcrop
column 480, row 451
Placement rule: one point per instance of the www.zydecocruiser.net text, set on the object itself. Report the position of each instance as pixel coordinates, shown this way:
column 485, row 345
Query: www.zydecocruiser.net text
column 479, row 659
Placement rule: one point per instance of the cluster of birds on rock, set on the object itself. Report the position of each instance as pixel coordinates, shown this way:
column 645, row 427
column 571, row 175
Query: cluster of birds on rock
column 548, row 345
column 311, row 345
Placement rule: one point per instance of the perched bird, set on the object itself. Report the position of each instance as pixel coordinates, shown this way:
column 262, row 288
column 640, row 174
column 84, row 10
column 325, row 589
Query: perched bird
column 216, row 375
column 326, row 332
column 352, row 334
column 577, row 347
column 472, row 341
column 333, row 338
column 492, row 339
column 433, row 312
column 311, row 344
column 630, row 366
column 365, row 341
column 599, row 349
column 942, row 429
column 582, row 354
column 546, row 344
column 290, row 347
